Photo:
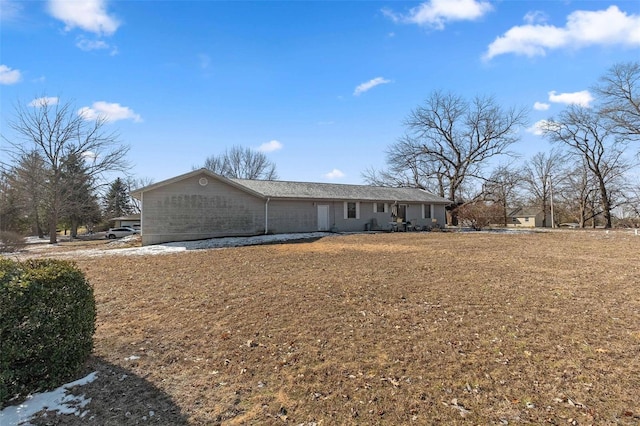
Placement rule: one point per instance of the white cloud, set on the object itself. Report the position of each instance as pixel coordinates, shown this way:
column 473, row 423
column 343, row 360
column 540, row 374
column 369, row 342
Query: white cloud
column 44, row 101
column 370, row 85
column 9, row 76
column 109, row 112
column 435, row 13
column 583, row 28
column 270, row 146
column 539, row 126
column 541, row 106
column 88, row 45
column 89, row 156
column 89, row 15
column 582, row 98
column 334, row 174
column 535, row 17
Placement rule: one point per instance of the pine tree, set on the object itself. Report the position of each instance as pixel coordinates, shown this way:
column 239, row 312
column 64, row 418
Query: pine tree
column 116, row 202
column 79, row 203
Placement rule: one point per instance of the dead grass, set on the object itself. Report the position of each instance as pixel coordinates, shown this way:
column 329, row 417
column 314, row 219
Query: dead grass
column 422, row 328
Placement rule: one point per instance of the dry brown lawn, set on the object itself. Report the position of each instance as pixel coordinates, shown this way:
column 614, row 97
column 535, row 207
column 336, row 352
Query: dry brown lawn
column 402, row 328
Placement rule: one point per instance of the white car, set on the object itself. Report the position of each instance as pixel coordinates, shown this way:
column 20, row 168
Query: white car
column 123, row 231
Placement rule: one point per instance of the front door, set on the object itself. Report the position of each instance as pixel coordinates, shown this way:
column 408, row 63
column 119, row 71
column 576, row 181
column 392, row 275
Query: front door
column 323, row 217
column 402, row 212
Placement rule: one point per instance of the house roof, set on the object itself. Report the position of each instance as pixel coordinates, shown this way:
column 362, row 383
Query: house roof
column 130, row 217
column 312, row 190
column 335, row 191
column 525, row 212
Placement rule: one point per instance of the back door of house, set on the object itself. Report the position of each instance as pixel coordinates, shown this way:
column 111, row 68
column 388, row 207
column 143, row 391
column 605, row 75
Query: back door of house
column 323, row 217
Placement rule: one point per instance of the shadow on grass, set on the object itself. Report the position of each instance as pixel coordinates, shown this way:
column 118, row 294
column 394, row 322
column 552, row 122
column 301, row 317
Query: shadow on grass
column 118, row 397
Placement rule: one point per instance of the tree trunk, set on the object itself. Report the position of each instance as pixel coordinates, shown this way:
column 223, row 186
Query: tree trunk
column 53, row 232
column 74, row 228
column 53, row 213
column 606, row 206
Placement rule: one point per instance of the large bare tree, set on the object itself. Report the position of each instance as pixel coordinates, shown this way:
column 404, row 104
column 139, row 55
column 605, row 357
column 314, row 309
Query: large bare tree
column 449, row 140
column 539, row 175
column 619, row 90
column 587, row 137
column 242, row 163
column 501, row 189
column 60, row 134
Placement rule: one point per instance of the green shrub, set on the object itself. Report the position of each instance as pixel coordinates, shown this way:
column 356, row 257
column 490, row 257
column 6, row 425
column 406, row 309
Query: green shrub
column 11, row 241
column 47, row 321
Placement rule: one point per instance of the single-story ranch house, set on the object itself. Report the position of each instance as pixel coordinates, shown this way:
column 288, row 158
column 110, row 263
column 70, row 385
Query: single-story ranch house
column 528, row 217
column 201, row 204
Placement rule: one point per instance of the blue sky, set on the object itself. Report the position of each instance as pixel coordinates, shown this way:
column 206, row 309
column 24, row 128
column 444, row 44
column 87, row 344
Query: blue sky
column 321, row 87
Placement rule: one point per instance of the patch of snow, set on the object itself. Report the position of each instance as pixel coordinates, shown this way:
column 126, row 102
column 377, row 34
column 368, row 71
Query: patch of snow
column 56, row 400
column 132, row 358
column 36, row 240
column 212, row 243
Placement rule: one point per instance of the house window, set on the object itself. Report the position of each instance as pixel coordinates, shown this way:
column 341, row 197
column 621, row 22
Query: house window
column 379, row 207
column 526, row 219
column 426, row 211
column 351, row 210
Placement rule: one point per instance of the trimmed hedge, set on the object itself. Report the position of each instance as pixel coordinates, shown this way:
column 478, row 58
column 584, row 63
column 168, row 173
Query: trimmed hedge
column 47, row 321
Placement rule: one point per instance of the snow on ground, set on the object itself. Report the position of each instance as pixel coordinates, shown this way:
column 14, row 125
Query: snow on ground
column 181, row 246
column 206, row 244
column 59, row 400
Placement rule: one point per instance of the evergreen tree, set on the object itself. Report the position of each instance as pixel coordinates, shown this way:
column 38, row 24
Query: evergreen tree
column 28, row 179
column 116, row 202
column 79, row 203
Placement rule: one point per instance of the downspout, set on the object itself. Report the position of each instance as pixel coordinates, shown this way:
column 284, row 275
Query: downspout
column 141, row 215
column 266, row 216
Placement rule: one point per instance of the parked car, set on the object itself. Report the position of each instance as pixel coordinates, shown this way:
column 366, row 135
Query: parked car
column 123, row 231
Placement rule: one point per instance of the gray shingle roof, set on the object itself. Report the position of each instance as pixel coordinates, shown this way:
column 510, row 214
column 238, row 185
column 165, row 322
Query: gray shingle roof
column 311, row 190
column 334, row 191
column 525, row 211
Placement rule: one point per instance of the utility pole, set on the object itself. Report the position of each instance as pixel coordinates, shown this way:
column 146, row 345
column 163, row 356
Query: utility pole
column 553, row 224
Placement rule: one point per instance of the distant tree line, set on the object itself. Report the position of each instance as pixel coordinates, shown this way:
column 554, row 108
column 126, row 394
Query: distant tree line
column 452, row 145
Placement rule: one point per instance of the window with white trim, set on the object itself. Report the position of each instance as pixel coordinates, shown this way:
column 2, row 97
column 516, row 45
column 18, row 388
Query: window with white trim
column 426, row 211
column 380, row 207
column 351, row 210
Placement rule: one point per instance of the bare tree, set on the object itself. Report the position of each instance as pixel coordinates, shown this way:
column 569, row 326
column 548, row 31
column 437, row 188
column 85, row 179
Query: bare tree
column 588, row 138
column 449, row 140
column 242, row 163
column 133, row 184
column 501, row 189
column 407, row 167
column 579, row 194
column 538, row 176
column 620, row 92
column 58, row 133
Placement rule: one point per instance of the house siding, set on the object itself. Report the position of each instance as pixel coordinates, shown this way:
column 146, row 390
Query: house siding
column 292, row 216
column 187, row 210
